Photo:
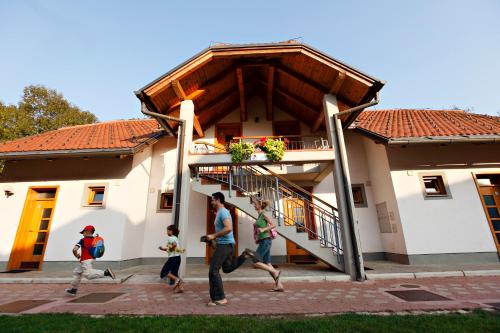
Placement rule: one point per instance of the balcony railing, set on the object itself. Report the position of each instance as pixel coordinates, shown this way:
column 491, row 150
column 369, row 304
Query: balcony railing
column 292, row 143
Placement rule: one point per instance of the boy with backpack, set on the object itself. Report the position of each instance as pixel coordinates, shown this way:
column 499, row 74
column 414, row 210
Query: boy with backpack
column 90, row 248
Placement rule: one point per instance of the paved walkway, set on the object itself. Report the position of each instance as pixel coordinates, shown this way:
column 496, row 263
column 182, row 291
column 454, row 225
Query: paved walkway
column 254, row 298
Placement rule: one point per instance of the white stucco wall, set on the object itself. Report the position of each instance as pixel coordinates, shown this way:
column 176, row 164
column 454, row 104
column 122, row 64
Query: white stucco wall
column 382, row 191
column 455, row 225
column 120, row 222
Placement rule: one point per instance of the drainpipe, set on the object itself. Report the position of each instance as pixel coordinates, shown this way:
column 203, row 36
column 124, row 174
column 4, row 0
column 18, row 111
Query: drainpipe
column 359, row 269
column 162, row 119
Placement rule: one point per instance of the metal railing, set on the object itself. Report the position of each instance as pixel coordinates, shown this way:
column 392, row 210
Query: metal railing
column 289, row 204
column 292, row 142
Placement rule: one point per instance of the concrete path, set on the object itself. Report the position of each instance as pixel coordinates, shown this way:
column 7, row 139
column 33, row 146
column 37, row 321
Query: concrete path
column 254, row 298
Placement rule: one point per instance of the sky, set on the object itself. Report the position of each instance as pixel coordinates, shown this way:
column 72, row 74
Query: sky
column 431, row 53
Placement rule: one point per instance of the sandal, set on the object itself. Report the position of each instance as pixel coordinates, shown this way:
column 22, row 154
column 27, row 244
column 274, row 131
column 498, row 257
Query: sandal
column 277, row 290
column 277, row 278
column 177, row 284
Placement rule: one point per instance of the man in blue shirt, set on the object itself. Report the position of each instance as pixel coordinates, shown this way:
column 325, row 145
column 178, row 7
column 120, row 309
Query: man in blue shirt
column 223, row 255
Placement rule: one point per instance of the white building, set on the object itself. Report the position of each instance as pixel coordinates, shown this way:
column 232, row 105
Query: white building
column 425, row 183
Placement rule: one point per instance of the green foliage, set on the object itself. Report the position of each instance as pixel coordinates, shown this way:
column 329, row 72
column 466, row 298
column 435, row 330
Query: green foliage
column 240, row 151
column 40, row 110
column 274, row 149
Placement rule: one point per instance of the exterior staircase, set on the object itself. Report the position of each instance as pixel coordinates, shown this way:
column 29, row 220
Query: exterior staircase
column 300, row 217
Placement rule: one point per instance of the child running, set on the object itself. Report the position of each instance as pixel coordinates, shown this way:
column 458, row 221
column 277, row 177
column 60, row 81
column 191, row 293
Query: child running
column 171, row 267
column 82, row 252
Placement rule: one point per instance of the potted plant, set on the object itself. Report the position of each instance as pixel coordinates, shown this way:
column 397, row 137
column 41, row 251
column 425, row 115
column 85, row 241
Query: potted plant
column 274, row 148
column 240, row 151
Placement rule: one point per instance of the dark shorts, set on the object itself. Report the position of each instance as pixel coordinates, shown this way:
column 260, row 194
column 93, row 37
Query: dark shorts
column 171, row 266
column 264, row 250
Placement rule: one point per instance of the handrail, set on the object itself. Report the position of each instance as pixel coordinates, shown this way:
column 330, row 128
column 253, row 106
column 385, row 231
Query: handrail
column 250, row 182
column 298, row 187
column 206, row 143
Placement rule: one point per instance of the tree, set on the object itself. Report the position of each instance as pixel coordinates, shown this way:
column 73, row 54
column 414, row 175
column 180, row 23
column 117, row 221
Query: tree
column 41, row 109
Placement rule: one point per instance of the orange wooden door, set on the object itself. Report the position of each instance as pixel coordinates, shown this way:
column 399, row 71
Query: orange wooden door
column 490, row 196
column 211, row 228
column 224, row 133
column 301, row 217
column 33, row 231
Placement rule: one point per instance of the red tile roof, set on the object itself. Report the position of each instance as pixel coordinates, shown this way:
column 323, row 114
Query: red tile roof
column 120, row 134
column 128, row 134
column 408, row 123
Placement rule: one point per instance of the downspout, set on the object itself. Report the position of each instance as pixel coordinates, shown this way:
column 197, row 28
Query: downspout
column 346, row 177
column 180, row 148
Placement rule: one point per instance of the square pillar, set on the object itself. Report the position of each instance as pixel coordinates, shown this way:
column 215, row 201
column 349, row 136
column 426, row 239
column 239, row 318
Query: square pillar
column 184, row 178
column 353, row 258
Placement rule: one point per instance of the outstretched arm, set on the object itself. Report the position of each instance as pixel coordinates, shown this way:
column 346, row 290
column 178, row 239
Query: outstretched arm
column 75, row 251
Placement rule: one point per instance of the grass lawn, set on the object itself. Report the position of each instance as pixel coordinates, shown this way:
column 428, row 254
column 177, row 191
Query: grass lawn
column 479, row 321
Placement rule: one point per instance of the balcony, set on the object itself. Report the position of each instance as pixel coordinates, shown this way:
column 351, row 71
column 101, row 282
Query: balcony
column 299, row 149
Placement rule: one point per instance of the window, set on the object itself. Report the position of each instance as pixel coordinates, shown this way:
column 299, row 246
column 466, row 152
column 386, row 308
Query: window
column 94, row 195
column 359, row 196
column 166, row 201
column 434, row 186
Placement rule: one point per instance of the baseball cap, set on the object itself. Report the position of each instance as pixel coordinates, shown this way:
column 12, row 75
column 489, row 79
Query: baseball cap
column 88, row 228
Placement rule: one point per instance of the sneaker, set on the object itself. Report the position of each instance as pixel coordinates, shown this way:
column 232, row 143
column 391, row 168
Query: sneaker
column 252, row 254
column 109, row 272
column 71, row 291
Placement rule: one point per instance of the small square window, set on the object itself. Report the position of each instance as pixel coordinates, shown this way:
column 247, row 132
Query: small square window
column 434, row 186
column 359, row 196
column 96, row 196
column 166, row 201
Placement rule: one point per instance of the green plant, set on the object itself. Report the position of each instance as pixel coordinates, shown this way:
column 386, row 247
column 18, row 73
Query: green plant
column 274, row 149
column 240, row 151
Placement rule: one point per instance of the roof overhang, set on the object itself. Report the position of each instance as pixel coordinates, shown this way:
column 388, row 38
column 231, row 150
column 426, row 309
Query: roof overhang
column 429, row 139
column 71, row 153
column 292, row 76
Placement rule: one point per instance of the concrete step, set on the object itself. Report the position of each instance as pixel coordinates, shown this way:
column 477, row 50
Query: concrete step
column 314, row 247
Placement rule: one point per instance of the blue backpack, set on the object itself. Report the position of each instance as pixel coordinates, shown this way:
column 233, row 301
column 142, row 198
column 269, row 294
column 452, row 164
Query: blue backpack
column 97, row 248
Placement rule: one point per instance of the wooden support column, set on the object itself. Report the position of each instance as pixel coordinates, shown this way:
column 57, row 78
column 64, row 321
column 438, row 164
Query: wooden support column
column 270, row 86
column 353, row 259
column 241, row 88
column 197, row 127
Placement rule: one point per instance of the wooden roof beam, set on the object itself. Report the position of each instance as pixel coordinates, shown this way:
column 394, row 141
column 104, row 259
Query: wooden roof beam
column 241, row 89
column 293, row 97
column 218, row 100
column 197, row 126
column 300, row 77
column 192, row 96
column 337, row 84
column 270, row 86
column 318, row 122
column 219, row 114
column 179, row 91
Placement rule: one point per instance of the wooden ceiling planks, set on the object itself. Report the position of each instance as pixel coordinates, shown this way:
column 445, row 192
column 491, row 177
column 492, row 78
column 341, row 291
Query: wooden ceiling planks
column 297, row 83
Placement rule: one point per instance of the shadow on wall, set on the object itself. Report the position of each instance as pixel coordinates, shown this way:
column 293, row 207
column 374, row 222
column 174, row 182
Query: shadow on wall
column 123, row 240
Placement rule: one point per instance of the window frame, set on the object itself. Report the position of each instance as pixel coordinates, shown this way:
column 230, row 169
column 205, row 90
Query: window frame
column 444, row 181
column 89, row 195
column 159, row 207
column 364, row 202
